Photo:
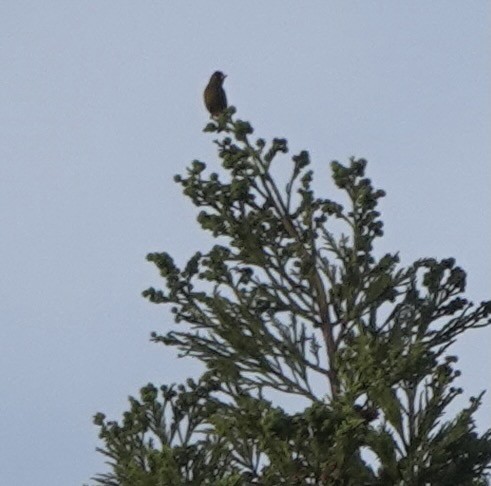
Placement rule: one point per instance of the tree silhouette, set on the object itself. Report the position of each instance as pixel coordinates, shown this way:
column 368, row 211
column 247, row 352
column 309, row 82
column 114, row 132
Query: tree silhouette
column 292, row 300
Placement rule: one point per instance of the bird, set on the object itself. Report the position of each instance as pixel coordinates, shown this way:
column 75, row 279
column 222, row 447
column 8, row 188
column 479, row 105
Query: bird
column 214, row 95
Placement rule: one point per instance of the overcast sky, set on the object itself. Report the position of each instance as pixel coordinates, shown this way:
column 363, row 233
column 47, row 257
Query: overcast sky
column 101, row 105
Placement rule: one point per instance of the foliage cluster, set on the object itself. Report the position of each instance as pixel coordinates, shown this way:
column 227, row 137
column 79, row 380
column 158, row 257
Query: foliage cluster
column 285, row 306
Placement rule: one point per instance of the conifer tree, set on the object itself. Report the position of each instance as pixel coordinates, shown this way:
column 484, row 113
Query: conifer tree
column 292, row 301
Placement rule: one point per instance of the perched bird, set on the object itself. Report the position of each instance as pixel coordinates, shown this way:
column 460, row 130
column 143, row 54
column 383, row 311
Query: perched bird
column 215, row 98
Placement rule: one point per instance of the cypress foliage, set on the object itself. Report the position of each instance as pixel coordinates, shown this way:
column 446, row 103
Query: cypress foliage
column 289, row 301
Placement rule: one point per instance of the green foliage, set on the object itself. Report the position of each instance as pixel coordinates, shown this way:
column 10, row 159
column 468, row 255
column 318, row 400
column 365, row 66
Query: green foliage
column 292, row 300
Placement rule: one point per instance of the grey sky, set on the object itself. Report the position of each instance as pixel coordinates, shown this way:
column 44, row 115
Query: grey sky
column 100, row 107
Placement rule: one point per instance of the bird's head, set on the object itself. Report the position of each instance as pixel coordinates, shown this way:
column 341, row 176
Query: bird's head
column 218, row 77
